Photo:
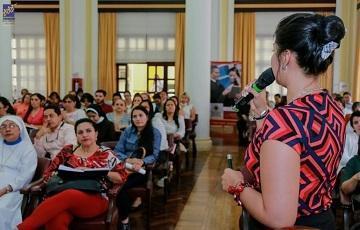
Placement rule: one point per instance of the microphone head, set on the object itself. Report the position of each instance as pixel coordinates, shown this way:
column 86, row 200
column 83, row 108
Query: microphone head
column 266, row 78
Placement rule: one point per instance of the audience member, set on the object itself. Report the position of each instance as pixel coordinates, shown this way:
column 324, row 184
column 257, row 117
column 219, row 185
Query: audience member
column 100, row 95
column 137, row 139
column 17, row 167
column 71, row 112
column 54, row 134
column 105, row 128
column 5, row 107
column 35, row 115
column 22, row 107
column 119, row 117
column 87, row 99
column 58, row 210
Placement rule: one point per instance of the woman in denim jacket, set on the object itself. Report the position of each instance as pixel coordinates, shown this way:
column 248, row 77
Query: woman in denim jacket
column 140, row 134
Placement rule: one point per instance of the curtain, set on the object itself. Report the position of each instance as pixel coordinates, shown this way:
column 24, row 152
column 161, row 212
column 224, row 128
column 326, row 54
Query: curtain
column 180, row 53
column 244, row 45
column 52, row 50
column 356, row 85
column 107, row 53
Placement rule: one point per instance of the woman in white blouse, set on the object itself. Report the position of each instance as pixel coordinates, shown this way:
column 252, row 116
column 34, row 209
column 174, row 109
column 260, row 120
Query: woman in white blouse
column 173, row 122
column 71, row 113
column 17, row 166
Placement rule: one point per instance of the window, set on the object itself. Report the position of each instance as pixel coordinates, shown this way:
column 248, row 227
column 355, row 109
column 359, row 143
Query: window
column 161, row 76
column 122, row 82
column 28, row 54
column 28, row 68
column 148, row 77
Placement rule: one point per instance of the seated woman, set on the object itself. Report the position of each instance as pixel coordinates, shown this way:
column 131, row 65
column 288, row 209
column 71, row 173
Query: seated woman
column 57, row 211
column 22, row 107
column 119, row 117
column 187, row 107
column 173, row 122
column 86, row 100
column 5, row 107
column 136, row 100
column 351, row 140
column 71, row 112
column 17, row 167
column 140, row 134
column 106, row 131
column 34, row 117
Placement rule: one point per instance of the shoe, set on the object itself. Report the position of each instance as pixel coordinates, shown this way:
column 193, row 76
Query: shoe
column 160, row 183
column 123, row 226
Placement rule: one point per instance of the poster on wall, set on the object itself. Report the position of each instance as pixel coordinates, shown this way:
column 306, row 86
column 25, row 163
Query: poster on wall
column 225, row 85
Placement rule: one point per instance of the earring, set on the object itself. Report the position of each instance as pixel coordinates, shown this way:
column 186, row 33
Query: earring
column 284, row 67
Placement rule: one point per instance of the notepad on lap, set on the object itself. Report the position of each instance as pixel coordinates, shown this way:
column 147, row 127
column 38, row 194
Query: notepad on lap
column 76, row 173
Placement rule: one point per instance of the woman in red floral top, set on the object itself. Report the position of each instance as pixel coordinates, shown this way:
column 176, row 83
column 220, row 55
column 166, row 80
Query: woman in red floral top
column 296, row 150
column 57, row 211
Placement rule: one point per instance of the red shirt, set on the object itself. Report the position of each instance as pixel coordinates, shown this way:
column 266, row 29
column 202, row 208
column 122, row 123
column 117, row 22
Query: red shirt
column 315, row 128
column 106, row 108
column 99, row 159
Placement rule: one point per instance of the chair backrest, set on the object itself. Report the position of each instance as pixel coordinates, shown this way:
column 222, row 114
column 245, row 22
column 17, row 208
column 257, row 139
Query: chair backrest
column 109, row 144
column 170, row 139
column 42, row 164
column 188, row 124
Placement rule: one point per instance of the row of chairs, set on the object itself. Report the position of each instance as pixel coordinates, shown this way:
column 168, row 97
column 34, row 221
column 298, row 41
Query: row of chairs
column 34, row 192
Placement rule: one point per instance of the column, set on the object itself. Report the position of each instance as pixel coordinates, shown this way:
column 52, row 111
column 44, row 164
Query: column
column 78, row 44
column 197, row 65
column 5, row 60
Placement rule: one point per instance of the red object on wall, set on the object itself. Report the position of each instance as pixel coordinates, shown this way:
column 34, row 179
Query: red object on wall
column 77, row 83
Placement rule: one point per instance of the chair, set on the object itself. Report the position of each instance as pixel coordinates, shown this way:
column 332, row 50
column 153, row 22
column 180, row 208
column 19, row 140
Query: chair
column 192, row 135
column 145, row 193
column 27, row 206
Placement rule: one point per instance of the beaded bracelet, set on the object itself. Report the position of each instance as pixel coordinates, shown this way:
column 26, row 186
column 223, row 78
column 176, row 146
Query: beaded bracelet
column 236, row 190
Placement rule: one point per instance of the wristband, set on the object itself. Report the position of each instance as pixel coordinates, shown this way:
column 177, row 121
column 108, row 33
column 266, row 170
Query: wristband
column 262, row 115
column 237, row 190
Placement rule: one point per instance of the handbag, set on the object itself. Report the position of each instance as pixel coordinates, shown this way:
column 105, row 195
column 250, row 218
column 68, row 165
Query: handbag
column 57, row 184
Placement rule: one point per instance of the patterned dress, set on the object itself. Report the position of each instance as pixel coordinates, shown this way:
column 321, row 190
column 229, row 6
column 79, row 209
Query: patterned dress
column 315, row 128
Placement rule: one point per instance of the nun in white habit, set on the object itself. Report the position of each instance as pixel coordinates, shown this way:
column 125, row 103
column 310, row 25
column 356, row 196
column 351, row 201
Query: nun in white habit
column 18, row 162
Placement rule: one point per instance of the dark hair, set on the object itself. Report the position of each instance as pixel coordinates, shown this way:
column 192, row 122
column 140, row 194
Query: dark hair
column 177, row 102
column 151, row 112
column 6, row 103
column 56, row 108
column 234, row 69
column 354, row 114
column 306, row 34
column 74, row 99
column 57, row 96
column 339, row 98
column 346, row 93
column 146, row 137
column 84, row 120
column 101, row 91
column 23, row 98
column 176, row 113
column 135, row 95
column 213, row 67
column 156, row 96
column 278, row 95
column 117, row 94
column 98, row 109
column 355, row 105
column 38, row 95
column 88, row 97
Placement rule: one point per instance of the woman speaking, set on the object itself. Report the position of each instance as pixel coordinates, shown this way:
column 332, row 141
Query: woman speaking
column 297, row 148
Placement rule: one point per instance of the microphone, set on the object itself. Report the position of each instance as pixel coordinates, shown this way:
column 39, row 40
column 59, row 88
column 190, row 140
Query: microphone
column 229, row 161
column 266, row 78
column 131, row 167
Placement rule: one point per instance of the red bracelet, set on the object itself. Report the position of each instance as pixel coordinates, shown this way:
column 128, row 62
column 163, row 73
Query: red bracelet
column 236, row 190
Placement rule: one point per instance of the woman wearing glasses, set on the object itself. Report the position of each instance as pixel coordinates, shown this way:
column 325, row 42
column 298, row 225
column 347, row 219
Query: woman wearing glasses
column 72, row 113
column 17, row 166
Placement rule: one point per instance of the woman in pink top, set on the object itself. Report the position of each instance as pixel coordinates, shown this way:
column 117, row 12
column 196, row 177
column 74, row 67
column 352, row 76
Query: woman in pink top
column 22, row 107
column 35, row 115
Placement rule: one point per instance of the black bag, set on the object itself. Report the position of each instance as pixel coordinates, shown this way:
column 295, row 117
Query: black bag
column 56, row 184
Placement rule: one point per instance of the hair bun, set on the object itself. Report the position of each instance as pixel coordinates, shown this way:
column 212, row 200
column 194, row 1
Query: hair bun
column 334, row 29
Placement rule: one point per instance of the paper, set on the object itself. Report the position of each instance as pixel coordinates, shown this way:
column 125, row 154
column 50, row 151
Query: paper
column 69, row 169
